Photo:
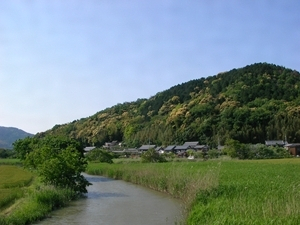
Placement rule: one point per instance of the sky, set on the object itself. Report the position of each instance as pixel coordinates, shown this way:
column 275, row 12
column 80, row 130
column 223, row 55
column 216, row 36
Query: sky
column 65, row 60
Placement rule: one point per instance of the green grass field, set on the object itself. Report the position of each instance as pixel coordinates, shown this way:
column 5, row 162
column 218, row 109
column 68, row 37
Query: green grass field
column 12, row 181
column 34, row 200
column 221, row 191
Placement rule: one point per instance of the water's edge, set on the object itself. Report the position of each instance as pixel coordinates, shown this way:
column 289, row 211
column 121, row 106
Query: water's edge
column 118, row 202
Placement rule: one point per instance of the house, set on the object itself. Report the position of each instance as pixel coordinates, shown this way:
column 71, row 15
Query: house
column 131, row 150
column 275, row 143
column 159, row 149
column 293, row 148
column 191, row 144
column 146, row 147
column 201, row 148
column 88, row 149
column 110, row 144
column 169, row 148
column 181, row 148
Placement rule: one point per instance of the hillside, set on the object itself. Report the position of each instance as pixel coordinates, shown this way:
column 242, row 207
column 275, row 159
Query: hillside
column 8, row 135
column 250, row 104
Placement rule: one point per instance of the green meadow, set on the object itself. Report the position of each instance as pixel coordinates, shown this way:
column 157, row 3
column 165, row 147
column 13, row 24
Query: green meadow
column 23, row 200
column 12, row 182
column 221, row 191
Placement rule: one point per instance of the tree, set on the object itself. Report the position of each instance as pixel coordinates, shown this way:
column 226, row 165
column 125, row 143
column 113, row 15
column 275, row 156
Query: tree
column 24, row 146
column 235, row 149
column 58, row 161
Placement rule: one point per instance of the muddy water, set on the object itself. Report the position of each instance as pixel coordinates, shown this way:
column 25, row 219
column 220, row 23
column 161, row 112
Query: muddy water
column 115, row 202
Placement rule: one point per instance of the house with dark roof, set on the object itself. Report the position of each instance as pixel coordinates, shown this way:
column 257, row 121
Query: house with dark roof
column 146, row 147
column 275, row 143
column 201, row 148
column 159, row 148
column 180, row 148
column 170, row 148
column 192, row 144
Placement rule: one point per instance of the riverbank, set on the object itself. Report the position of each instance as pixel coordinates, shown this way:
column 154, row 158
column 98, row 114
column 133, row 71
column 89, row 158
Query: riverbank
column 23, row 200
column 220, row 191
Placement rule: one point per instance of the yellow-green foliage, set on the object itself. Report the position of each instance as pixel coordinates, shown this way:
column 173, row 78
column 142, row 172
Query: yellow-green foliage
column 12, row 179
column 222, row 191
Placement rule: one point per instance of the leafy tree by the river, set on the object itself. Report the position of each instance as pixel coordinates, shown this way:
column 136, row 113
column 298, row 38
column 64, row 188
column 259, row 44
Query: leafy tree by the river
column 58, row 161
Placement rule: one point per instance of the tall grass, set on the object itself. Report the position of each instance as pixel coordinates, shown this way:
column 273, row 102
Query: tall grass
column 181, row 180
column 37, row 205
column 222, row 192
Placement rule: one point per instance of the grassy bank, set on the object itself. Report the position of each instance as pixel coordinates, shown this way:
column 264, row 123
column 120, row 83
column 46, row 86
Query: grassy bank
column 23, row 200
column 221, row 192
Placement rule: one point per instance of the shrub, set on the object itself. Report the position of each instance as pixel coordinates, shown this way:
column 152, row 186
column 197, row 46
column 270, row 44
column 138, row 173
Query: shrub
column 152, row 156
column 100, row 155
column 213, row 153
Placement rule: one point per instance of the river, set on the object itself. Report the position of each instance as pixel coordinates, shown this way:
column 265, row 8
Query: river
column 116, row 202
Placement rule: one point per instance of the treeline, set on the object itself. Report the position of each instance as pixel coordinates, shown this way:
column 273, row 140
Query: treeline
column 252, row 104
column 7, row 153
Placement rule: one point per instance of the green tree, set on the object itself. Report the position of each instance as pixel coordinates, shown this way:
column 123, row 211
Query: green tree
column 235, row 149
column 24, row 146
column 58, row 161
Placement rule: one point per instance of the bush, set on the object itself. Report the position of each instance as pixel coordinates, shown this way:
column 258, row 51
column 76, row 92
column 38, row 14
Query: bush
column 213, row 153
column 152, row 156
column 100, row 155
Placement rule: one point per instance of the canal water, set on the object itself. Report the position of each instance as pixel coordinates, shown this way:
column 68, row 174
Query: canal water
column 116, row 202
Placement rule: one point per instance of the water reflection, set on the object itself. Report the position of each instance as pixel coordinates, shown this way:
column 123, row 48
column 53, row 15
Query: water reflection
column 98, row 179
column 97, row 195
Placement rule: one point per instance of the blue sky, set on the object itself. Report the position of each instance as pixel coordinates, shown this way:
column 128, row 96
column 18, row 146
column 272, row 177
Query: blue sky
column 65, row 60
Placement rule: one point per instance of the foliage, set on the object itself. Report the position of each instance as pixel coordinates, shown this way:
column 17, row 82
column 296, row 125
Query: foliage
column 251, row 104
column 235, row 149
column 5, row 153
column 152, row 156
column 213, row 153
column 100, row 155
column 24, row 146
column 58, row 161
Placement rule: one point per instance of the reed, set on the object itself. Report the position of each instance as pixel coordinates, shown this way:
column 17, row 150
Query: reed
column 38, row 204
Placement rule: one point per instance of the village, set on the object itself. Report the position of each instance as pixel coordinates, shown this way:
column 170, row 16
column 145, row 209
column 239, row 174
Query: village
column 181, row 150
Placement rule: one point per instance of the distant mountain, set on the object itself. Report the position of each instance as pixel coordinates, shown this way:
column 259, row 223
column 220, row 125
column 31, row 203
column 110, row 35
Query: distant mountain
column 8, row 135
column 251, row 104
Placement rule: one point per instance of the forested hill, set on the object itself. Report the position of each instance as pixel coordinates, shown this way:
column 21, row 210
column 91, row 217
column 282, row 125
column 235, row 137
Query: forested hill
column 251, row 104
column 9, row 135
